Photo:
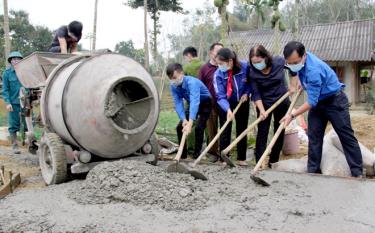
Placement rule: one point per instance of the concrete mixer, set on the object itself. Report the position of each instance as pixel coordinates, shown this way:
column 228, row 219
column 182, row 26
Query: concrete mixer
column 93, row 107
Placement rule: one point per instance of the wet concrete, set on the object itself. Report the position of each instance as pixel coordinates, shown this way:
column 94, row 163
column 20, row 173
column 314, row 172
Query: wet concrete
column 293, row 203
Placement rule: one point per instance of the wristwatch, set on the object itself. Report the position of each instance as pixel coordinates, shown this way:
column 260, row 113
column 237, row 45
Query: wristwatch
column 293, row 116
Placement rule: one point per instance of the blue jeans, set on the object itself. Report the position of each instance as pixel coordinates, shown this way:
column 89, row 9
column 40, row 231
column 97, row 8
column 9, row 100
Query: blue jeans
column 334, row 109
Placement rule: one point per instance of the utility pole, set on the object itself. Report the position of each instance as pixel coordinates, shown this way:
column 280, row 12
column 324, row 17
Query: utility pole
column 6, row 31
column 95, row 21
column 147, row 59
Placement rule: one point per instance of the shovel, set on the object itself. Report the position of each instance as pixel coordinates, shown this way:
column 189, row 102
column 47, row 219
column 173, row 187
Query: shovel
column 216, row 137
column 224, row 153
column 178, row 167
column 282, row 126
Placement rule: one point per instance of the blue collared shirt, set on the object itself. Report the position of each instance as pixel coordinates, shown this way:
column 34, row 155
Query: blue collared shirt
column 193, row 91
column 318, row 79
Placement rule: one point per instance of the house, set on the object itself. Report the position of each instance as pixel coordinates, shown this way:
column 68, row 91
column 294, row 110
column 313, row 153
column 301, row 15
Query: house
column 348, row 47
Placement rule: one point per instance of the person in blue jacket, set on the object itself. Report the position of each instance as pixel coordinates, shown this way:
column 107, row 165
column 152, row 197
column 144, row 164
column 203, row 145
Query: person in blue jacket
column 198, row 99
column 231, row 87
column 326, row 102
column 11, row 88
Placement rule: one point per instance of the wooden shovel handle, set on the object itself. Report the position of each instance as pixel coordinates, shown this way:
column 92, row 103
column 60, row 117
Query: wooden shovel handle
column 276, row 136
column 255, row 123
column 216, row 136
column 181, row 147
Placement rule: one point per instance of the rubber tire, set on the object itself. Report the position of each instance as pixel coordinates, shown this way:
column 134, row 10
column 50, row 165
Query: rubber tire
column 155, row 149
column 56, row 172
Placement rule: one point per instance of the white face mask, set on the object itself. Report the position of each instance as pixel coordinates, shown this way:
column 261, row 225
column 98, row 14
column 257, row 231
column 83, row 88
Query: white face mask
column 177, row 82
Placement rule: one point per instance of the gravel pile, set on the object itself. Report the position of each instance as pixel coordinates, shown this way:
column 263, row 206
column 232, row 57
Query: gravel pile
column 140, row 184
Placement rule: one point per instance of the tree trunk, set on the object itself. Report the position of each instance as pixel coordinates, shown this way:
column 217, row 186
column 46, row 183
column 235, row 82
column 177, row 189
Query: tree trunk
column 201, row 43
column 7, row 44
column 155, row 36
column 296, row 23
column 224, row 26
column 147, row 61
column 276, row 44
column 357, row 10
column 94, row 30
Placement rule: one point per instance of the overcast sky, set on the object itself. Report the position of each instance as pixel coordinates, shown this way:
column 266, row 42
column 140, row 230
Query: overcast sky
column 116, row 22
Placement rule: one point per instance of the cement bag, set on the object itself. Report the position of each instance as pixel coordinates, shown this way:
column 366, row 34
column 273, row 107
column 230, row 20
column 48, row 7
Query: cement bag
column 291, row 165
column 367, row 156
column 333, row 160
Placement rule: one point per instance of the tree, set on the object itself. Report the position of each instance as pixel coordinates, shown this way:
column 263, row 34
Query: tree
column 257, row 7
column 277, row 25
column 95, row 21
column 7, row 44
column 328, row 11
column 200, row 31
column 222, row 10
column 127, row 48
column 154, row 7
column 25, row 37
column 147, row 58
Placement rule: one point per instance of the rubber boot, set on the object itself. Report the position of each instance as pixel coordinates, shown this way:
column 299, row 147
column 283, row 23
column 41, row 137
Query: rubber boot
column 15, row 148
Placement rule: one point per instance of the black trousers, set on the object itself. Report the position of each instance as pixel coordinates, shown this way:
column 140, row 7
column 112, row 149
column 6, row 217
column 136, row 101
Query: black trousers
column 201, row 122
column 334, row 109
column 242, row 118
column 263, row 129
column 55, row 49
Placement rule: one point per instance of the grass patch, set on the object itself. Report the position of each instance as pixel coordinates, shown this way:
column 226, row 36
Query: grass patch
column 166, row 126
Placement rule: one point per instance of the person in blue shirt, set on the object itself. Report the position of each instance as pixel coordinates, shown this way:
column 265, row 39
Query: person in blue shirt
column 198, row 99
column 231, row 87
column 11, row 89
column 326, row 102
column 267, row 78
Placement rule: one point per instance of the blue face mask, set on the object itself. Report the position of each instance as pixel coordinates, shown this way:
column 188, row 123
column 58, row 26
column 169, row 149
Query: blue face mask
column 260, row 66
column 223, row 68
column 296, row 67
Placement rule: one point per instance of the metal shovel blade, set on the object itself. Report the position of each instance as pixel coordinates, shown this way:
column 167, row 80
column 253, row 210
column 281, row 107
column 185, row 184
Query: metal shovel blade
column 198, row 175
column 227, row 160
column 259, row 180
column 177, row 167
column 183, row 169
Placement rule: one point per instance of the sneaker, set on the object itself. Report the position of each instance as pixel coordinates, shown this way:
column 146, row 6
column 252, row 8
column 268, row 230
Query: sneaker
column 242, row 163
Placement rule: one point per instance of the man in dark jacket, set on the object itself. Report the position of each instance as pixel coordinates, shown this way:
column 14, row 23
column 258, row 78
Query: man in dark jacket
column 66, row 38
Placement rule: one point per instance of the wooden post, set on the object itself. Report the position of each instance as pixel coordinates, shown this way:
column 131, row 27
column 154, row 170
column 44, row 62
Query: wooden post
column 10, row 181
column 147, row 58
column 7, row 44
column 94, row 30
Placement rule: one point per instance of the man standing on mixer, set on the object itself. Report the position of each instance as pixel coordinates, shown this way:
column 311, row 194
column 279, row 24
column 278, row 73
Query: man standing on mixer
column 66, row 38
